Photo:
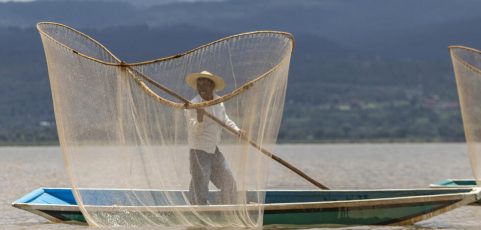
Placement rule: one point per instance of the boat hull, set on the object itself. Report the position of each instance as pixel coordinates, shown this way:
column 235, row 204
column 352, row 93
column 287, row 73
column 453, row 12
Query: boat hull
column 342, row 207
column 456, row 183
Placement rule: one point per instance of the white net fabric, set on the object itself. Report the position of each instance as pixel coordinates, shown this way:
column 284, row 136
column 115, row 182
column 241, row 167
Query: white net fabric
column 124, row 129
column 467, row 69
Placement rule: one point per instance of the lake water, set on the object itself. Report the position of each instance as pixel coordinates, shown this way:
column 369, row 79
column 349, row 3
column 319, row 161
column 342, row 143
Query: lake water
column 339, row 166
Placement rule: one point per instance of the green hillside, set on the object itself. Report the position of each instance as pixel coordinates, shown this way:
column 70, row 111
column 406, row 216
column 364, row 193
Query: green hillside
column 381, row 80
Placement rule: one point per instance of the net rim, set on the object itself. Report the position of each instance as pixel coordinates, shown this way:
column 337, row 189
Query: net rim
column 42, row 32
column 466, row 64
column 124, row 64
column 139, row 77
column 188, row 104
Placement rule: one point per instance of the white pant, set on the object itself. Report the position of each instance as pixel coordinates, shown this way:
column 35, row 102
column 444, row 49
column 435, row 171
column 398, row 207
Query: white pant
column 205, row 167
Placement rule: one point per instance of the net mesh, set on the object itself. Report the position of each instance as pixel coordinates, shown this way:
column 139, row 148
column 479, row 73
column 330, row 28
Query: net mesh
column 467, row 69
column 126, row 130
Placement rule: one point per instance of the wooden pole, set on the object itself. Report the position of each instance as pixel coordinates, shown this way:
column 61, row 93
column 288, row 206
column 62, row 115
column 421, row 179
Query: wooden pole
column 267, row 152
column 230, row 129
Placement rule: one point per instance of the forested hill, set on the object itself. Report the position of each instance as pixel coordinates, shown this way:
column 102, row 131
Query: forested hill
column 371, row 70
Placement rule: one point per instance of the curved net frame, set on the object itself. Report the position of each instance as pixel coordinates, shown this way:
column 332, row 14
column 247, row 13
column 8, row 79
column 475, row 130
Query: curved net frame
column 124, row 129
column 467, row 69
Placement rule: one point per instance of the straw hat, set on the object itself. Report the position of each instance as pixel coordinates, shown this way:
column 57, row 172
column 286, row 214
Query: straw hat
column 191, row 80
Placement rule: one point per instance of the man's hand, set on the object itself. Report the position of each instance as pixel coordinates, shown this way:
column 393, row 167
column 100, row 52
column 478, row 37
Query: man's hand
column 200, row 115
column 242, row 133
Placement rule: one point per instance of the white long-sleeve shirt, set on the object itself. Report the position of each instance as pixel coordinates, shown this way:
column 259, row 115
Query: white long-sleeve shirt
column 206, row 135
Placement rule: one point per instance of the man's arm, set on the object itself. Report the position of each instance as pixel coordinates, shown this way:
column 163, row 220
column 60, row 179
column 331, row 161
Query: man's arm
column 231, row 123
column 200, row 115
column 193, row 120
column 196, row 119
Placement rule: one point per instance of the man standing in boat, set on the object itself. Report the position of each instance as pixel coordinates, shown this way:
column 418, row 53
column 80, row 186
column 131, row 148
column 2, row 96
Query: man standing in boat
column 206, row 161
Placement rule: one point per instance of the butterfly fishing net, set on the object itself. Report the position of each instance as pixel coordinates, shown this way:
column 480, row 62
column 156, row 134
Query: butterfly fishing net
column 140, row 145
column 467, row 69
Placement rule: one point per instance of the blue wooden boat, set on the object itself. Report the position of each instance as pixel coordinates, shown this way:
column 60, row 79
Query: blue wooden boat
column 282, row 207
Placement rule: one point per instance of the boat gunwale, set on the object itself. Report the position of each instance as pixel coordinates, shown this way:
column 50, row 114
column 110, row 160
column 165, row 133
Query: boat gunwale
column 473, row 193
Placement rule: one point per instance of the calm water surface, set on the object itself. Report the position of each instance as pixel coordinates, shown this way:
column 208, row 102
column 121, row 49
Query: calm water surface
column 339, row 166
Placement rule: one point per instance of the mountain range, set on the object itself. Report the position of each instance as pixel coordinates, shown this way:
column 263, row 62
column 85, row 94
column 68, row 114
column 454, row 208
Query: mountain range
column 377, row 57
